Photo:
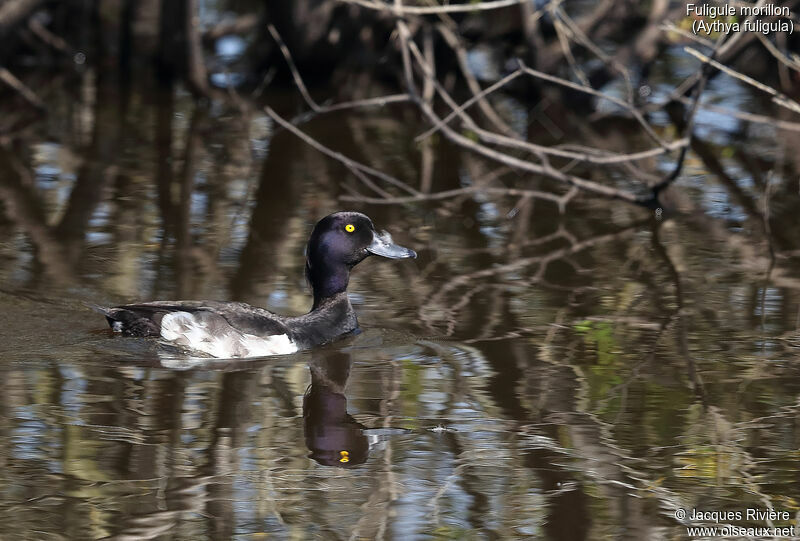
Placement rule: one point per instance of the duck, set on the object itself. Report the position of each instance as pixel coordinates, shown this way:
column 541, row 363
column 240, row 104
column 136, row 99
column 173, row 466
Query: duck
column 221, row 329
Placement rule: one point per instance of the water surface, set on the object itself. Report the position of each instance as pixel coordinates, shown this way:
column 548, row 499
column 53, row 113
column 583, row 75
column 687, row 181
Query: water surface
column 538, row 372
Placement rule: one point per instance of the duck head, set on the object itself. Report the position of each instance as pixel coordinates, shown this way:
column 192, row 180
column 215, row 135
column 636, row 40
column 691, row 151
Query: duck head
column 339, row 242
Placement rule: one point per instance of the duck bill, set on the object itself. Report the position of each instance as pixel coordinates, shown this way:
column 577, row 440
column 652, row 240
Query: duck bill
column 383, row 246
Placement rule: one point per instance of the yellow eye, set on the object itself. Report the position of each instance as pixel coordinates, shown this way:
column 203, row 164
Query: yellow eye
column 349, row 228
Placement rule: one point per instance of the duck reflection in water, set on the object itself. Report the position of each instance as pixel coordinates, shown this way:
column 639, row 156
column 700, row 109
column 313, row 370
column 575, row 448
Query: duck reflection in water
column 333, row 436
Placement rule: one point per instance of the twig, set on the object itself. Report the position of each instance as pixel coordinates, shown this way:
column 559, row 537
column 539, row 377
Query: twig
column 668, row 179
column 197, row 75
column 379, row 101
column 54, row 41
column 13, row 12
column 474, row 87
column 542, row 169
column 581, row 88
column 295, row 74
column 428, row 94
column 545, row 170
column 475, row 97
column 405, row 36
column 607, row 158
column 777, row 97
column 434, row 10
column 428, row 73
column 552, row 55
column 580, row 37
column 561, row 34
column 447, row 194
column 468, row 121
column 785, row 61
column 747, row 117
column 349, row 163
column 29, row 95
column 670, row 27
column 265, row 82
column 740, row 40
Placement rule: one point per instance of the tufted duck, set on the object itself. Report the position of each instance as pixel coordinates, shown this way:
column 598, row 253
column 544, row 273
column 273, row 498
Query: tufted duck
column 233, row 329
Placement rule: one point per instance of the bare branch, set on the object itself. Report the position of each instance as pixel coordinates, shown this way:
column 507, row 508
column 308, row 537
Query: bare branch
column 777, row 97
column 475, row 97
column 599, row 158
column 447, row 194
column 197, row 73
column 12, row 12
column 741, row 115
column 563, row 40
column 589, row 90
column 405, row 37
column 726, row 50
column 435, row 10
column 29, row 95
column 54, row 41
column 544, row 170
column 579, row 35
column 688, row 130
column 378, row 101
column 338, row 156
column 671, row 27
column 295, row 74
column 461, row 55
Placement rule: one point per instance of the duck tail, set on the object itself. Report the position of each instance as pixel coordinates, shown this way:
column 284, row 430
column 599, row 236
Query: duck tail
column 99, row 309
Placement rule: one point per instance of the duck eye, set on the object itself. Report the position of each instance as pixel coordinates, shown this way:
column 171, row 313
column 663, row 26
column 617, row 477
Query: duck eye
column 349, row 228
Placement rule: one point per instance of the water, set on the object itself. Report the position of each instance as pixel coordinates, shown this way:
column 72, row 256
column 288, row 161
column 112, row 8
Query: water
column 534, row 374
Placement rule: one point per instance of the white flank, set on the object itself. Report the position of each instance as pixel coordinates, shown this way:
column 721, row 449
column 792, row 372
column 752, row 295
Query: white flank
column 211, row 334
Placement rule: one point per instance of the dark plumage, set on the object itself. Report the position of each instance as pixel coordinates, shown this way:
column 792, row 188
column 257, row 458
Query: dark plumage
column 233, row 329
